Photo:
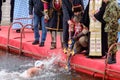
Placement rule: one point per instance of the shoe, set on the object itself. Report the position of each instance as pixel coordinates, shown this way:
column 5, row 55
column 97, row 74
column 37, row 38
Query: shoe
column 41, row 44
column 53, row 45
column 18, row 31
column 35, row 42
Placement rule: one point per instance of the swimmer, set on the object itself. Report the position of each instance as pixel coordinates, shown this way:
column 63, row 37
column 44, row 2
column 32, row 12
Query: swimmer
column 33, row 71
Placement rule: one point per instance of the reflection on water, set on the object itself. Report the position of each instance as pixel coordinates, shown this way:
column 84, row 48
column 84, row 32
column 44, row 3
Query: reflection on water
column 11, row 66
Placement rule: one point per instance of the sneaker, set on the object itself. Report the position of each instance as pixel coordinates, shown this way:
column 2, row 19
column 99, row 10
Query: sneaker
column 41, row 44
column 35, row 42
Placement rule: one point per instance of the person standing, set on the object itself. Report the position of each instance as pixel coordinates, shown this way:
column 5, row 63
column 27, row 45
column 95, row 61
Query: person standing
column 78, row 39
column 97, row 16
column 37, row 16
column 55, row 19
column 1, row 1
column 67, row 14
column 111, row 16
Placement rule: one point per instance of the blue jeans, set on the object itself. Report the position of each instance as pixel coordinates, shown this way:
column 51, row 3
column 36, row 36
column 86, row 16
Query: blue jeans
column 36, row 22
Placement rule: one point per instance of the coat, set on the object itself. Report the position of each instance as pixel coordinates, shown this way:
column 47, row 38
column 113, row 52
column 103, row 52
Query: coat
column 99, row 16
column 111, row 16
column 37, row 6
column 56, row 16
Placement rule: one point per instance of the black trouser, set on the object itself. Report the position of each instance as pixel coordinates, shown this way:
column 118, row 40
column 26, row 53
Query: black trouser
column 0, row 13
column 104, row 41
column 11, row 10
column 65, row 33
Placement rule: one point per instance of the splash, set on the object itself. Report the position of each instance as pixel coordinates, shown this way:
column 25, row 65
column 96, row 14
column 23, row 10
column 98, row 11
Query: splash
column 51, row 70
column 5, row 75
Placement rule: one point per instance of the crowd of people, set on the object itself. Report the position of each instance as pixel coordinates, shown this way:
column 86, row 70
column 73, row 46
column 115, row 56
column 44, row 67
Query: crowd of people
column 88, row 26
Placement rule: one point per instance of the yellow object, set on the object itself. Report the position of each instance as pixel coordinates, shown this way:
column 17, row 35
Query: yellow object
column 65, row 50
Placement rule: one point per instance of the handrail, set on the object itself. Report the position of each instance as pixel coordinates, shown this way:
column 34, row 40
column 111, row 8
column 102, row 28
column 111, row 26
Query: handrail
column 22, row 32
column 8, row 40
column 106, row 60
column 22, row 35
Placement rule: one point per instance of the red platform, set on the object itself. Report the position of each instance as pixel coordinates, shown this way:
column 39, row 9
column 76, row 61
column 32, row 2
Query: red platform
column 79, row 62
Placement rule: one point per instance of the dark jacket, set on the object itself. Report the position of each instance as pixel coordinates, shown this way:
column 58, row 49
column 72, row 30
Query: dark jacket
column 12, row 2
column 37, row 5
column 56, row 16
column 99, row 15
column 85, row 19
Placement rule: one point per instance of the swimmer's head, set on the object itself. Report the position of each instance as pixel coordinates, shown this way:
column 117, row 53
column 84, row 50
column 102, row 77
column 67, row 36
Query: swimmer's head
column 39, row 64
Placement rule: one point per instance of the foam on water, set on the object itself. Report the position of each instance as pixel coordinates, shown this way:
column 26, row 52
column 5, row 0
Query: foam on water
column 50, row 70
column 4, row 75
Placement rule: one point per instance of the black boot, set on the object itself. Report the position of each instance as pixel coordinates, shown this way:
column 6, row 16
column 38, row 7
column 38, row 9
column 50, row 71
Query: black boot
column 41, row 44
column 112, row 59
column 53, row 45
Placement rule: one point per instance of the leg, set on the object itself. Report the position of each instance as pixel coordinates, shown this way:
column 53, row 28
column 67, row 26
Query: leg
column 44, row 32
column 81, row 45
column 53, row 42
column 104, row 41
column 11, row 10
column 36, row 29
column 77, row 47
column 65, row 33
column 112, row 38
column 61, row 38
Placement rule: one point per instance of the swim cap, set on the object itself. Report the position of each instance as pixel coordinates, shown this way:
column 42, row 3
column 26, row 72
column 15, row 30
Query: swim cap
column 38, row 63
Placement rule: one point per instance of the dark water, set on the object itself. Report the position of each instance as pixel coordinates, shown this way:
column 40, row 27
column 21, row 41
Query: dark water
column 11, row 66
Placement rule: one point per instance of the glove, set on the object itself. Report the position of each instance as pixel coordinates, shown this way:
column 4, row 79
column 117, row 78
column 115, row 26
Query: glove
column 71, row 44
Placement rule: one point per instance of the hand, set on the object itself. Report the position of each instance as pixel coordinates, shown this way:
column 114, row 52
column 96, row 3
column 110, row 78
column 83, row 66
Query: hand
column 93, row 18
column 70, row 22
column 46, row 17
